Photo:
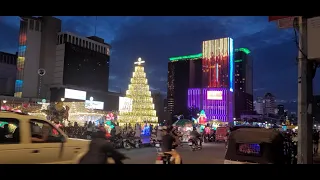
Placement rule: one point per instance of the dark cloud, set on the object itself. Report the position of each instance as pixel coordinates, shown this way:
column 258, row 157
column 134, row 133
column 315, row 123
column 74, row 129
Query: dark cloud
column 8, row 37
column 155, row 39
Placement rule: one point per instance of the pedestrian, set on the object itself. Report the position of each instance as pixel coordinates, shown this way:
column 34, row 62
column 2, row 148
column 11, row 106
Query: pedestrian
column 315, row 139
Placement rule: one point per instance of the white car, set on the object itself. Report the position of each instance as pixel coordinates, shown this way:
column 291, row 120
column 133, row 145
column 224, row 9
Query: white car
column 22, row 141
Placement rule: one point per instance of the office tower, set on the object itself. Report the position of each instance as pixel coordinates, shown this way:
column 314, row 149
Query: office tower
column 183, row 72
column 270, row 103
column 259, row 105
column 243, row 88
column 8, row 70
column 81, row 62
column 216, row 98
column 37, row 49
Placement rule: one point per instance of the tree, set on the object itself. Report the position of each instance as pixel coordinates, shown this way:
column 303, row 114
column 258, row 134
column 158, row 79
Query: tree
column 143, row 110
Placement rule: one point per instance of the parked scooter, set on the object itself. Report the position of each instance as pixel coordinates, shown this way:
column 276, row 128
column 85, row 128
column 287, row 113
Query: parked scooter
column 129, row 143
column 117, row 142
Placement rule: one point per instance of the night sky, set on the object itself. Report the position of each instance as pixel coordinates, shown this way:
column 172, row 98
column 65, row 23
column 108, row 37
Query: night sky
column 155, row 39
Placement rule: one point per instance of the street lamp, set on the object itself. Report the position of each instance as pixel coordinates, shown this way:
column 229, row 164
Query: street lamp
column 62, row 99
column 4, row 101
column 91, row 98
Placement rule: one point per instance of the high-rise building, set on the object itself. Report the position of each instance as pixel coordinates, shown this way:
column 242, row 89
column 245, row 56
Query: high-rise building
column 8, row 70
column 183, row 72
column 270, row 104
column 81, row 62
column 259, row 105
column 243, row 82
column 37, row 51
column 216, row 97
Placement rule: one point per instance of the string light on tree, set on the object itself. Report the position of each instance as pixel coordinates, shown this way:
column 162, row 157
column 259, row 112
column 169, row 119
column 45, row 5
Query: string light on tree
column 142, row 103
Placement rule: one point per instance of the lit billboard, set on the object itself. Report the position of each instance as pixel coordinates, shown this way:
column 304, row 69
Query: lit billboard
column 94, row 104
column 75, row 94
column 214, row 95
column 125, row 104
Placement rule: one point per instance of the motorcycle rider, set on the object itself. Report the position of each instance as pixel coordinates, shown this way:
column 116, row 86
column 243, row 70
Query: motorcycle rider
column 100, row 150
column 176, row 134
column 167, row 145
column 196, row 136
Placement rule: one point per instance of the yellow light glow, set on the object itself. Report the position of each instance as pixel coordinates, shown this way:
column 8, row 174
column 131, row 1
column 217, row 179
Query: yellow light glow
column 142, row 105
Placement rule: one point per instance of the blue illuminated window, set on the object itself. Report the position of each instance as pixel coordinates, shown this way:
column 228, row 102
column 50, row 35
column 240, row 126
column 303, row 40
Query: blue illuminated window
column 22, row 48
column 18, row 85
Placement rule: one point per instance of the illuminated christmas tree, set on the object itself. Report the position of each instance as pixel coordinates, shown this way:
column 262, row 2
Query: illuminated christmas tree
column 143, row 110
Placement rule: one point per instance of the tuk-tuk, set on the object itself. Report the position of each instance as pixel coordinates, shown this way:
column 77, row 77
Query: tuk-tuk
column 255, row 146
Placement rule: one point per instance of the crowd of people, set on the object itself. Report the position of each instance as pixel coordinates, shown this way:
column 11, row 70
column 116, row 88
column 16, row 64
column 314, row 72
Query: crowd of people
column 85, row 132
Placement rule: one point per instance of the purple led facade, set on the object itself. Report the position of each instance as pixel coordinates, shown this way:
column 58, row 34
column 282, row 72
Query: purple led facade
column 214, row 109
column 194, row 98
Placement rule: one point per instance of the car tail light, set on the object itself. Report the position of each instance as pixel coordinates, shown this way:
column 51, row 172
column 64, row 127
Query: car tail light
column 159, row 158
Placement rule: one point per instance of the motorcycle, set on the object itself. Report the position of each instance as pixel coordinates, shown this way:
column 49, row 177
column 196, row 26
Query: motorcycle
column 194, row 145
column 117, row 142
column 158, row 146
column 165, row 157
column 153, row 141
column 131, row 143
column 112, row 158
column 206, row 138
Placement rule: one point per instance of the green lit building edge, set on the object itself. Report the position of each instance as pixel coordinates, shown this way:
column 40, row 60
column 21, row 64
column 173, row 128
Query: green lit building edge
column 197, row 56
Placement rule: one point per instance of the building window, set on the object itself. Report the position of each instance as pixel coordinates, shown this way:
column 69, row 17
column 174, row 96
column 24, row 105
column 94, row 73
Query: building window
column 104, row 50
column 72, row 40
column 89, row 45
column 86, row 45
column 37, row 26
column 76, row 41
column 69, row 38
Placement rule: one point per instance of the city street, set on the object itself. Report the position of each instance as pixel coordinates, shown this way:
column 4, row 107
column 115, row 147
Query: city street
column 210, row 154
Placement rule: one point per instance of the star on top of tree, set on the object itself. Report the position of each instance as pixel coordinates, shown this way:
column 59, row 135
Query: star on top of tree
column 139, row 62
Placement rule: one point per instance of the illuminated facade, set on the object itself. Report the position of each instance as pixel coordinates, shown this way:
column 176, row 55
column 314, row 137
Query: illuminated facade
column 183, row 72
column 216, row 96
column 216, row 102
column 218, row 65
column 37, row 44
column 243, row 88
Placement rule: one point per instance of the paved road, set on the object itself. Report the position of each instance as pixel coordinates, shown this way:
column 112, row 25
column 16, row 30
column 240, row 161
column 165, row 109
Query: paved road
column 210, row 154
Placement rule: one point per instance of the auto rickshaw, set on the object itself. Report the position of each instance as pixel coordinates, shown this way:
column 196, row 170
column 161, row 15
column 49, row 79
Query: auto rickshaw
column 255, row 146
